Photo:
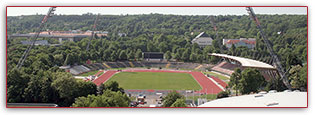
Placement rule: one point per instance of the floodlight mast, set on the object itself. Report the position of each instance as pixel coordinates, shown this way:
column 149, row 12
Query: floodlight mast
column 276, row 60
column 214, row 26
column 50, row 13
column 93, row 29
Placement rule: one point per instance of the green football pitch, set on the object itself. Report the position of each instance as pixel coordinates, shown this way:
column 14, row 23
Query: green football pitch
column 156, row 80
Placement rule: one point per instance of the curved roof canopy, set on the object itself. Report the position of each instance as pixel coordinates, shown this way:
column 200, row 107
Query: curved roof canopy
column 245, row 62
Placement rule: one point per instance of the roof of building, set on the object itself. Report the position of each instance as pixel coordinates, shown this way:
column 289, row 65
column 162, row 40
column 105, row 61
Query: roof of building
column 280, row 99
column 245, row 62
column 202, row 36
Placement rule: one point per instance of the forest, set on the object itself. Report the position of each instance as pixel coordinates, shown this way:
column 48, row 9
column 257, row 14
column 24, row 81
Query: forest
column 170, row 34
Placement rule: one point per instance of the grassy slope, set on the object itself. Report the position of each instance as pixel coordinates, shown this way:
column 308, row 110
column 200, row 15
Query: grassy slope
column 208, row 97
column 217, row 75
column 158, row 81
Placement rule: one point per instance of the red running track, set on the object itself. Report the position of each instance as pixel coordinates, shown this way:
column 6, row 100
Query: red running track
column 222, row 83
column 104, row 77
column 207, row 85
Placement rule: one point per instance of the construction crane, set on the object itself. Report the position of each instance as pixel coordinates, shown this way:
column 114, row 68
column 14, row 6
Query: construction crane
column 276, row 60
column 93, row 29
column 49, row 14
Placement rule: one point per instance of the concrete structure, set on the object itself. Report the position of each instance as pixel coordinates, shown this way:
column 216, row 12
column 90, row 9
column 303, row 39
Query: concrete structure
column 37, row 42
column 247, row 42
column 202, row 40
column 73, row 35
column 271, row 99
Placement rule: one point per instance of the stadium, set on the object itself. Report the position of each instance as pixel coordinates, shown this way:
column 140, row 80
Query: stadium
column 125, row 69
column 155, row 75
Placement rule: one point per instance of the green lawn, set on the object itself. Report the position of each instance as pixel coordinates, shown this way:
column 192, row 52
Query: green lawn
column 156, row 80
column 224, row 78
column 89, row 73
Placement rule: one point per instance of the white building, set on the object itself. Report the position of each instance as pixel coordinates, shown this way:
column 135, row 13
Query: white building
column 202, row 40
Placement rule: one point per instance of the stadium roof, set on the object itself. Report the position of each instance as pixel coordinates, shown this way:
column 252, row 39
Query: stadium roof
column 245, row 62
column 281, row 99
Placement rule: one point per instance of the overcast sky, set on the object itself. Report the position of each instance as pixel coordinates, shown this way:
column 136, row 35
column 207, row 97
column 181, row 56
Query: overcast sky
column 17, row 11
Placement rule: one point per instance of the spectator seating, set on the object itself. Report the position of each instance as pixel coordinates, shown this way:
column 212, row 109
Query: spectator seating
column 126, row 64
column 112, row 64
column 225, row 68
column 76, row 70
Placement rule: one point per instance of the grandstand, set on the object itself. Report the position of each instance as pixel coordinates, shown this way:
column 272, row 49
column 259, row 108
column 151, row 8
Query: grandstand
column 231, row 62
column 75, row 70
column 225, row 68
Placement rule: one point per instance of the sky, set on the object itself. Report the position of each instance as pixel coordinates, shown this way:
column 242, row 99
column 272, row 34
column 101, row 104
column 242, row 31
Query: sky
column 17, row 11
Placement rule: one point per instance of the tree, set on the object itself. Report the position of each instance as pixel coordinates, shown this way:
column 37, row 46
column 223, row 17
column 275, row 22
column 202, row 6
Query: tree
column 67, row 60
column 193, row 57
column 179, row 103
column 251, row 81
column 33, row 90
column 167, row 55
column 298, row 77
column 123, row 55
column 59, row 59
column 107, row 99
column 223, row 94
column 86, row 88
column 171, row 98
column 66, row 86
column 113, row 56
column 163, row 47
column 138, row 55
column 15, row 86
column 112, row 86
column 177, row 56
column 233, row 50
column 131, row 55
column 292, row 60
column 235, row 79
column 185, row 55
